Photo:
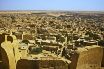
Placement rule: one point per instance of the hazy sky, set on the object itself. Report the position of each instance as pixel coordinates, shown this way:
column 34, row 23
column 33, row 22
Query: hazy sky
column 90, row 5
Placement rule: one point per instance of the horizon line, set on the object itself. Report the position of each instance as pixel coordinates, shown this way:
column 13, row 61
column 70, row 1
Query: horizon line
column 58, row 10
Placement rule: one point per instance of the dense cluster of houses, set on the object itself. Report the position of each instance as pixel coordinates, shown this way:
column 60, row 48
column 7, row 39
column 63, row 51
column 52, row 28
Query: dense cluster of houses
column 60, row 34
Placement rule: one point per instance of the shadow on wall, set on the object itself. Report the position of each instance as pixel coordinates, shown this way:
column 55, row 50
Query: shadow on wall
column 25, row 64
column 103, row 59
column 41, row 64
column 3, row 57
column 4, row 63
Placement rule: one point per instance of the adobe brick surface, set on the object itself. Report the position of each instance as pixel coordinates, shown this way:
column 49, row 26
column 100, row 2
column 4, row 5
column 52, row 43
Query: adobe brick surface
column 41, row 64
column 87, row 58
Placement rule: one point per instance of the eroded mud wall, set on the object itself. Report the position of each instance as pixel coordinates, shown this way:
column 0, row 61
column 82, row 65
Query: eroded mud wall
column 8, row 58
column 87, row 58
column 41, row 64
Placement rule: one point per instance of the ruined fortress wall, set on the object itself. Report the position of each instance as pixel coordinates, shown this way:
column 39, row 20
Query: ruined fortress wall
column 88, row 58
column 7, row 54
column 41, row 64
column 91, row 58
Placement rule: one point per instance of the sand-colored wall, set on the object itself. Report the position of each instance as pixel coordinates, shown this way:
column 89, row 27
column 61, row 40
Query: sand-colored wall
column 8, row 55
column 41, row 64
column 28, row 37
column 87, row 58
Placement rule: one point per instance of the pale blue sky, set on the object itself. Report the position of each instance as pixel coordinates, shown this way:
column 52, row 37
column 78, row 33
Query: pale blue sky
column 78, row 5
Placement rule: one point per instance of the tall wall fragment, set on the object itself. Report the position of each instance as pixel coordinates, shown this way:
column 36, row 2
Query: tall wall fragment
column 87, row 58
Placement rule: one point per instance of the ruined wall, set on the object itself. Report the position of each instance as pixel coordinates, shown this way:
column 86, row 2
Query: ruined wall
column 103, row 58
column 56, row 64
column 87, row 58
column 8, row 55
column 25, row 64
column 41, row 64
column 4, row 59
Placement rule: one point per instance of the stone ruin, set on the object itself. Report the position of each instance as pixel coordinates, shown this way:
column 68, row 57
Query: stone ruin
column 10, row 58
column 89, row 57
column 41, row 64
column 84, row 58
